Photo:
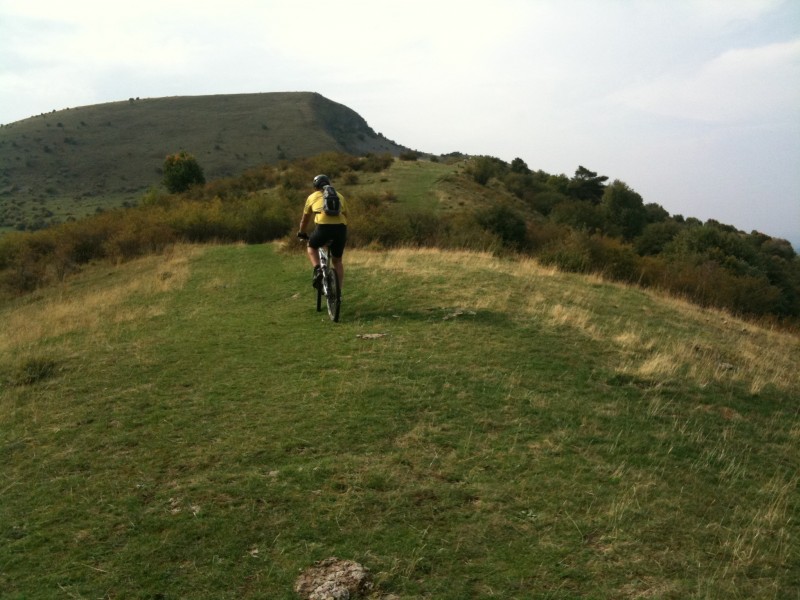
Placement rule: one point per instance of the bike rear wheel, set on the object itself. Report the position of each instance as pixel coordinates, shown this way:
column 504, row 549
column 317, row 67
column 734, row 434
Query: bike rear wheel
column 333, row 296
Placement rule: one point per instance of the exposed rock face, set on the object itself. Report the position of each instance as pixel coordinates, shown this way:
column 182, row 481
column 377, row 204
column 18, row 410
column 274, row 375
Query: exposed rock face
column 334, row 579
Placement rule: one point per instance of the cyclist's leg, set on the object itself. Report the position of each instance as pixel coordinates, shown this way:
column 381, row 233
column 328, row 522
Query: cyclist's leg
column 337, row 252
column 313, row 255
column 338, row 266
column 315, row 241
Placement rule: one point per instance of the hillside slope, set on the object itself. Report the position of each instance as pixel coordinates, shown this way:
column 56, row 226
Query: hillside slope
column 106, row 154
column 187, row 426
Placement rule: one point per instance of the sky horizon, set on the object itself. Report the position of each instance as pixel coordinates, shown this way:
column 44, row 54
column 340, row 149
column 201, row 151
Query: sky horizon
column 695, row 104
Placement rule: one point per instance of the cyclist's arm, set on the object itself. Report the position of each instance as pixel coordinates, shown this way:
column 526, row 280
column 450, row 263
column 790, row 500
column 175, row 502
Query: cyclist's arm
column 304, row 222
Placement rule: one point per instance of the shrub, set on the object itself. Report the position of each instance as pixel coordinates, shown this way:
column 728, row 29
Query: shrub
column 544, row 202
column 541, row 235
column 293, row 178
column 462, row 231
column 653, row 272
column 154, row 197
column 526, row 185
column 484, row 168
column 424, row 227
column 582, row 215
column 142, row 232
column 374, row 163
column 613, row 259
column 580, row 252
column 755, row 296
column 182, row 171
column 506, row 224
column 203, row 221
column 330, row 163
column 409, row 155
column 27, row 260
column 265, row 217
column 374, row 220
column 365, row 202
column 568, row 254
column 656, row 236
column 779, row 248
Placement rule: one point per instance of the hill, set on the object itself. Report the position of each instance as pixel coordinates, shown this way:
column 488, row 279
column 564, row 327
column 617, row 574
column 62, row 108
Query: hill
column 69, row 163
column 187, row 426
column 577, row 224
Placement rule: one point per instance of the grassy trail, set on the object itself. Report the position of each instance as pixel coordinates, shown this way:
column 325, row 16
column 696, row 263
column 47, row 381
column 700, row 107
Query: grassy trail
column 189, row 427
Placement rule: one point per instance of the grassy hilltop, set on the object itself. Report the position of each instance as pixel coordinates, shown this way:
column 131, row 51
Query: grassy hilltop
column 69, row 163
column 65, row 165
column 187, row 426
column 498, row 415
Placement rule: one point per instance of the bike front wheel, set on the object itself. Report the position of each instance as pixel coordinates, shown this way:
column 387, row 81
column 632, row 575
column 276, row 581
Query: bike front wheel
column 333, row 295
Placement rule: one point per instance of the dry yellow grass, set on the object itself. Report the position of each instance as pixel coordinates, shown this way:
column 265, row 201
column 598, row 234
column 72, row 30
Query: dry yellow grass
column 60, row 311
column 765, row 533
column 724, row 348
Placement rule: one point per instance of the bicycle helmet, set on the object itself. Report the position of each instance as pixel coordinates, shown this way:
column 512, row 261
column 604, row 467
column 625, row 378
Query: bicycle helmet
column 321, row 181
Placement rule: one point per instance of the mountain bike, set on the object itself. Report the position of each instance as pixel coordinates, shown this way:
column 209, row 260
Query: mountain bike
column 328, row 287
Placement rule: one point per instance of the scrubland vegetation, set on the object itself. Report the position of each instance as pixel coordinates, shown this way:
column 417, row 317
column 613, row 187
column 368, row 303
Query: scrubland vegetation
column 580, row 224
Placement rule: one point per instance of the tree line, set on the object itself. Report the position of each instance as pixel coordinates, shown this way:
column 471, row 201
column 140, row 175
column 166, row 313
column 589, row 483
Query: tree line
column 587, row 224
column 582, row 223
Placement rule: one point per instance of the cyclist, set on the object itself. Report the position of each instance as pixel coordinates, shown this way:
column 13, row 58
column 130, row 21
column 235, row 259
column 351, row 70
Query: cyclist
column 330, row 230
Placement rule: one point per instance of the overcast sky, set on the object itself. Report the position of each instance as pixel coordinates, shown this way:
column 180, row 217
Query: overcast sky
column 695, row 104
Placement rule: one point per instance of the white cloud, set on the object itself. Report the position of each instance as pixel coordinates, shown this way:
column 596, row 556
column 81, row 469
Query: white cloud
column 739, row 85
column 644, row 91
column 726, row 12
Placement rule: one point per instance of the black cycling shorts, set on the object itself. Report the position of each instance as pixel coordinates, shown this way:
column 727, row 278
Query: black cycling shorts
column 333, row 236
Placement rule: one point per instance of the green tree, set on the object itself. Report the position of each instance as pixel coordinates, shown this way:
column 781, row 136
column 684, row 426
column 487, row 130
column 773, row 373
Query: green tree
column 624, row 210
column 545, row 202
column 578, row 214
column 709, row 242
column 587, row 185
column 524, row 186
column 779, row 248
column 483, row 168
column 656, row 213
column 518, row 166
column 505, row 223
column 559, row 183
column 182, row 171
column 655, row 236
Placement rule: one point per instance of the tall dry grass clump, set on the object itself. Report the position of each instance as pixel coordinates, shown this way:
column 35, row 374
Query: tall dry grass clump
column 35, row 328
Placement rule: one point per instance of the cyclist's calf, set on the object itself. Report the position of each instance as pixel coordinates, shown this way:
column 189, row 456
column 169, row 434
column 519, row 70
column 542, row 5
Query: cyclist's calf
column 338, row 266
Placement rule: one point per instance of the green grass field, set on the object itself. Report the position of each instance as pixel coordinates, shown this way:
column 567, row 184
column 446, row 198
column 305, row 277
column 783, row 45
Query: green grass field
column 416, row 182
column 187, row 426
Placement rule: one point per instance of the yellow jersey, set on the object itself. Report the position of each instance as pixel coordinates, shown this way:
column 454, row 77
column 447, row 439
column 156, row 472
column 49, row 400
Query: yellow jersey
column 314, row 206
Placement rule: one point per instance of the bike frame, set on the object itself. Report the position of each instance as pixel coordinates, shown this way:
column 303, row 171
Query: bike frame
column 329, row 288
